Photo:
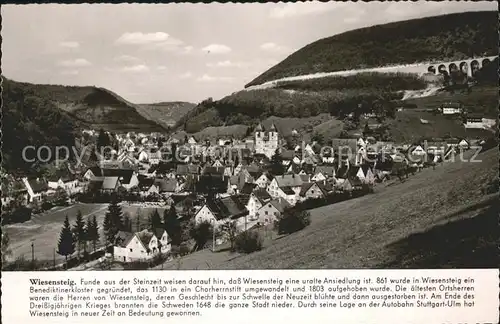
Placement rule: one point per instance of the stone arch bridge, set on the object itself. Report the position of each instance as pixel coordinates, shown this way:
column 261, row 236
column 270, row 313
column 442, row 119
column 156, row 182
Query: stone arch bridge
column 469, row 66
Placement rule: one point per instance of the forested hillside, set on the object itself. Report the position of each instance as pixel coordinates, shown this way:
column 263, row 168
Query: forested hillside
column 30, row 119
column 96, row 107
column 446, row 37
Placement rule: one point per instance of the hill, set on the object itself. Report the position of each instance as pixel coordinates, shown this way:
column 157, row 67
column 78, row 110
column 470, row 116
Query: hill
column 92, row 107
column 248, row 107
column 165, row 113
column 447, row 37
column 30, row 119
column 442, row 218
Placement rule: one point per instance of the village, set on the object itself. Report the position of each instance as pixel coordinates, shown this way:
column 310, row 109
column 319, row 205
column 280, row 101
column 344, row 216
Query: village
column 222, row 187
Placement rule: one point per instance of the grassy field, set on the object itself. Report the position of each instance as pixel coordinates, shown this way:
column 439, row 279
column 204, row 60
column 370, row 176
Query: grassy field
column 436, row 219
column 482, row 99
column 44, row 229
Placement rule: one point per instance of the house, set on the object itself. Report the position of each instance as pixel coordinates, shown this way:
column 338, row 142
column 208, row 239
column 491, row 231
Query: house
column 256, row 199
column 140, row 246
column 323, row 172
column 127, row 178
column 292, row 181
column 464, row 144
column 167, row 186
column 289, row 194
column 271, row 211
column 263, row 180
column 451, row 153
column 110, row 184
column 220, row 210
column 345, row 186
column 127, row 159
column 363, row 173
column 417, row 150
column 92, row 173
column 287, row 157
column 459, row 143
column 192, row 141
column 36, row 187
column 451, row 108
column 143, row 156
column 474, row 121
column 147, row 186
column 312, row 190
column 69, row 183
column 14, row 190
column 187, row 169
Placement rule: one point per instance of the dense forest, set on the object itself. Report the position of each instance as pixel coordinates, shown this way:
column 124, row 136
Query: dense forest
column 446, row 37
column 31, row 120
column 388, row 82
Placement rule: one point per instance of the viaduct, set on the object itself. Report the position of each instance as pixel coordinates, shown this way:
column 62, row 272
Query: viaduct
column 469, row 66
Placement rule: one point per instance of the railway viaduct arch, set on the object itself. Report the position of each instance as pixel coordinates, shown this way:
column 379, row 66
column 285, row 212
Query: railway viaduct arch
column 469, row 66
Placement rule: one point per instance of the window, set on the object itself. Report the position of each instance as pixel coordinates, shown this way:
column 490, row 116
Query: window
column 130, row 250
column 265, row 213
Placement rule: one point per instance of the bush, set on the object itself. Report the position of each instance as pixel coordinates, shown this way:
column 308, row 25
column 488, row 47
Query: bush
column 180, row 250
column 201, row 233
column 136, row 265
column 18, row 215
column 248, row 242
column 293, row 220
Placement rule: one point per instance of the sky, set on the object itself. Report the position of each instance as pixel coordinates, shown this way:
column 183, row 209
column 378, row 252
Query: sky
column 180, row 52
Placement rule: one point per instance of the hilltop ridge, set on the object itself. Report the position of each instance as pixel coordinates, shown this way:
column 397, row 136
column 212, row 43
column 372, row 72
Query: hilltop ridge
column 444, row 37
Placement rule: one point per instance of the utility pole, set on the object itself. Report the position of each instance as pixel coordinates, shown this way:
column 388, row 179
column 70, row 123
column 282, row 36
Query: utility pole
column 213, row 238
column 33, row 255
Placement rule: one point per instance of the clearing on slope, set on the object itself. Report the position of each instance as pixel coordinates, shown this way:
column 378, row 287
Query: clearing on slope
column 447, row 217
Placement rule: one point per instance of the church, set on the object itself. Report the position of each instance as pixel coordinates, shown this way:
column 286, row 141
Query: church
column 266, row 142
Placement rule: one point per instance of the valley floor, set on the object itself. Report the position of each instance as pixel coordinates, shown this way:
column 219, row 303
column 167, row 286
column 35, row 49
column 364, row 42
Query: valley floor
column 43, row 230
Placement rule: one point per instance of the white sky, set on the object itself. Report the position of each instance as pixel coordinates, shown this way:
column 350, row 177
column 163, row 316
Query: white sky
column 151, row 53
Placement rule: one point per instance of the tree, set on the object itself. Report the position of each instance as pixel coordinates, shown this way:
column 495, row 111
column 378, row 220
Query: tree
column 102, row 139
column 201, row 233
column 155, row 220
column 293, row 220
column 277, row 167
column 61, row 197
column 188, row 206
column 6, row 251
column 230, row 231
column 248, row 242
column 344, row 134
column 92, row 231
column 318, row 138
column 366, row 131
column 66, row 244
column 138, row 217
column 172, row 225
column 88, row 230
column 127, row 223
column 159, row 144
column 79, row 233
column 113, row 221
